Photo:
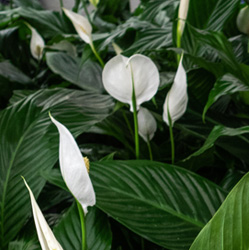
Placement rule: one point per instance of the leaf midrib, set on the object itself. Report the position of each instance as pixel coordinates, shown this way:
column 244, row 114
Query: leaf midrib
column 8, row 176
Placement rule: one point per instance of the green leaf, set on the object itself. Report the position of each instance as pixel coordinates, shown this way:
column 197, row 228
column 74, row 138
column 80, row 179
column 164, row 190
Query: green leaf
column 227, row 85
column 13, row 74
column 98, row 231
column 35, row 4
column 217, row 132
column 211, row 14
column 165, row 204
column 87, row 76
column 152, row 39
column 47, row 23
column 229, row 226
column 29, row 144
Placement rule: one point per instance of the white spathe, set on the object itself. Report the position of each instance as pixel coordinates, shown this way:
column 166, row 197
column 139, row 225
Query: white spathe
column 243, row 20
column 37, row 43
column 182, row 15
column 73, row 168
column 146, row 124
column 45, row 234
column 177, row 97
column 81, row 24
column 119, row 73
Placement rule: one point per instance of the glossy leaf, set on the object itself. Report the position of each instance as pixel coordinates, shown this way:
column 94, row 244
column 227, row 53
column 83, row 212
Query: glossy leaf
column 29, row 144
column 217, row 132
column 162, row 203
column 86, row 76
column 227, row 85
column 98, row 233
column 229, row 226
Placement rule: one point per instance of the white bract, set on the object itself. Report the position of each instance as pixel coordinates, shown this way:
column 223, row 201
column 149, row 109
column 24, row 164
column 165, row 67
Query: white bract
column 120, row 73
column 182, row 16
column 177, row 98
column 73, row 168
column 81, row 24
column 243, row 20
column 45, row 234
column 146, row 124
column 36, row 43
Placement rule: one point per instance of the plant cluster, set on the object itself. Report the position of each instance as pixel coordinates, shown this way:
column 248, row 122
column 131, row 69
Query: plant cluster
column 156, row 101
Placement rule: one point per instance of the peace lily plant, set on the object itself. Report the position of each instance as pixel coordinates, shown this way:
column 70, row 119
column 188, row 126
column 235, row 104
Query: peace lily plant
column 176, row 102
column 45, row 234
column 74, row 173
column 133, row 80
column 84, row 30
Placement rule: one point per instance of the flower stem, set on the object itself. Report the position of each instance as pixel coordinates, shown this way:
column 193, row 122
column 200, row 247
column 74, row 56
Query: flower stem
column 134, row 106
column 97, row 55
column 150, row 152
column 83, row 225
column 172, row 143
column 61, row 3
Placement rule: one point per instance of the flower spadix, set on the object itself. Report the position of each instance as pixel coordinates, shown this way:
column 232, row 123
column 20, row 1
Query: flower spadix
column 45, row 234
column 81, row 24
column 37, row 43
column 121, row 73
column 73, row 168
column 146, row 124
column 177, row 98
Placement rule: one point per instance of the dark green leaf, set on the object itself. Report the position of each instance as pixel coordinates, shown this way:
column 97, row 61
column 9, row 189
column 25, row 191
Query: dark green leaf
column 227, row 85
column 29, row 144
column 87, row 76
column 229, row 226
column 98, row 233
column 163, row 203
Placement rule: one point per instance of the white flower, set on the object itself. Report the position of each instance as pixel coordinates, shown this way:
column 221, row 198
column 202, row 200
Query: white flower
column 121, row 72
column 45, row 234
column 81, row 24
column 146, row 124
column 177, row 97
column 243, row 20
column 36, row 44
column 73, row 168
column 182, row 15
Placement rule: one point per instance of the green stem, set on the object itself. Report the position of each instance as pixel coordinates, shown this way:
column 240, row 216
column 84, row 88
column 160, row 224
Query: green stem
column 76, row 6
column 149, row 148
column 61, row 3
column 86, row 11
column 97, row 55
column 11, row 4
column 134, row 106
column 83, row 226
column 172, row 143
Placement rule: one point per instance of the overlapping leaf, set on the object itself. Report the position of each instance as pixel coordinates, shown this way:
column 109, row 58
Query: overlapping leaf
column 29, row 144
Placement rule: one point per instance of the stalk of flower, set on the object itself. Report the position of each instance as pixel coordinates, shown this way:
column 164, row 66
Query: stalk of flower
column 37, row 43
column 131, row 80
column 176, row 103
column 74, row 173
column 84, row 30
column 45, row 234
column 146, row 127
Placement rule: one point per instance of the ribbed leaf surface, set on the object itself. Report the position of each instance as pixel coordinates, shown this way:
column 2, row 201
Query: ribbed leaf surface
column 165, row 204
column 29, row 144
column 98, row 233
column 229, row 227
